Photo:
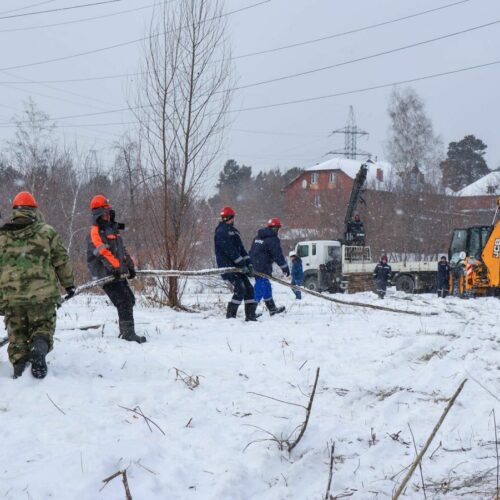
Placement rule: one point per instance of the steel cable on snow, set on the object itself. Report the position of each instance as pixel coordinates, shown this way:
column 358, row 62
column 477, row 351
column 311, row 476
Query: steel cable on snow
column 173, row 273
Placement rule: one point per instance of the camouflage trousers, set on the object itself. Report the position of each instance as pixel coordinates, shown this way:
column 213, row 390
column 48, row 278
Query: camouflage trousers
column 24, row 323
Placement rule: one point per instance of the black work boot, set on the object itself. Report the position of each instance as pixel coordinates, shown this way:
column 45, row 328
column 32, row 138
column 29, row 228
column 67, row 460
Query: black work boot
column 127, row 332
column 271, row 306
column 19, row 367
column 232, row 309
column 250, row 308
column 39, row 349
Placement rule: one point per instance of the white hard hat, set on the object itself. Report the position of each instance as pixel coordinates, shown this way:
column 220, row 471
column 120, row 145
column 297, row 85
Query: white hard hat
column 292, row 254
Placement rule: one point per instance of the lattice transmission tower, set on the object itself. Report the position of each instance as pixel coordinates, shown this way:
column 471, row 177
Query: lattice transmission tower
column 351, row 133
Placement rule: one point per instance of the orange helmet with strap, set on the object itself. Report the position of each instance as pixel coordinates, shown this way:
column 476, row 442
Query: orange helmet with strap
column 24, row 199
column 99, row 201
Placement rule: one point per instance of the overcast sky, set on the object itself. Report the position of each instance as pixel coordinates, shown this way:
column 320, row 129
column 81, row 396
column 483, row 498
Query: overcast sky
column 284, row 136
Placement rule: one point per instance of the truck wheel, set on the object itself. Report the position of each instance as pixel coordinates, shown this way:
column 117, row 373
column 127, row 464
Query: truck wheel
column 311, row 283
column 405, row 284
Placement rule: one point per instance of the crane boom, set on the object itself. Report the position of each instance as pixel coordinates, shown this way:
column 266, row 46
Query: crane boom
column 356, row 192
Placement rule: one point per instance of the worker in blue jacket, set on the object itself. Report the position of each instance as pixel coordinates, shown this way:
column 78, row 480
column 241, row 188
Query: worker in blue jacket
column 266, row 249
column 297, row 273
column 230, row 252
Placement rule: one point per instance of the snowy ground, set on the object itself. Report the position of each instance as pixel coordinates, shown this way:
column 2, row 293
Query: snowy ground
column 379, row 372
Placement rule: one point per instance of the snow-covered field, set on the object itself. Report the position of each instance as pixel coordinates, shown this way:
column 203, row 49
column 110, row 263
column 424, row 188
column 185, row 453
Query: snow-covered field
column 380, row 372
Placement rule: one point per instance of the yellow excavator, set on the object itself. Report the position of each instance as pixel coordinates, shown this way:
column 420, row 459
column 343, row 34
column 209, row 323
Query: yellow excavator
column 474, row 257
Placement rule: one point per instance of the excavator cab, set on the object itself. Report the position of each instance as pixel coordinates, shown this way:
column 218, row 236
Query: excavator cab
column 469, row 274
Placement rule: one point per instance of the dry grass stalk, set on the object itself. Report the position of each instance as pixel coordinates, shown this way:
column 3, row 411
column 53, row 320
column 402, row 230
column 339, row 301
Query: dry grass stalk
column 419, row 457
column 330, row 472
column 191, row 381
column 123, row 473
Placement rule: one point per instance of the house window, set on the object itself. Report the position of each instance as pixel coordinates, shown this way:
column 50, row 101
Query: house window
column 491, row 189
column 333, row 177
column 317, row 201
column 314, row 178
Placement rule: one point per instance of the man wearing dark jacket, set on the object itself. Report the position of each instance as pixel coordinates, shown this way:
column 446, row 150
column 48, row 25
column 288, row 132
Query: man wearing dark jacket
column 356, row 231
column 230, row 252
column 107, row 256
column 381, row 275
column 297, row 273
column 443, row 277
column 266, row 249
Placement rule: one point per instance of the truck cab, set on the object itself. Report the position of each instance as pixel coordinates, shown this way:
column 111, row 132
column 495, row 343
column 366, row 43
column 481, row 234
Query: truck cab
column 326, row 262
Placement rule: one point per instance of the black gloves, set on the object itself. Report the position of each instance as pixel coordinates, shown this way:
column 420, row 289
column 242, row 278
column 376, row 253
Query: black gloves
column 132, row 274
column 248, row 270
column 70, row 290
column 286, row 271
column 116, row 274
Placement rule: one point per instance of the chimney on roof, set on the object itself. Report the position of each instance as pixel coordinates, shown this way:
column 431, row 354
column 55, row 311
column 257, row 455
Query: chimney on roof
column 380, row 174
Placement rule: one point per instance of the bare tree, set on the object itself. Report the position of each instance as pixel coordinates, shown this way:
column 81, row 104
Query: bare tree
column 33, row 151
column 413, row 148
column 181, row 109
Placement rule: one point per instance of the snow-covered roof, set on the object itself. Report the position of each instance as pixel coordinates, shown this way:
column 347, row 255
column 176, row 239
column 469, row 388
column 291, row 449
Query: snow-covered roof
column 351, row 168
column 487, row 185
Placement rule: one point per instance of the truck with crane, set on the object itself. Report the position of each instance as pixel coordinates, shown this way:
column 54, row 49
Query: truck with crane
column 346, row 264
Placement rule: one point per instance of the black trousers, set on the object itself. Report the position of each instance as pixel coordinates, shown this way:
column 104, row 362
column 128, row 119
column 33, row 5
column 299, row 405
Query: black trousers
column 243, row 289
column 122, row 297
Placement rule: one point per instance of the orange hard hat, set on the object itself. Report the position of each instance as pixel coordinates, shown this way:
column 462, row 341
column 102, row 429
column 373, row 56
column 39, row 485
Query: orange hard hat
column 274, row 222
column 99, row 201
column 24, row 199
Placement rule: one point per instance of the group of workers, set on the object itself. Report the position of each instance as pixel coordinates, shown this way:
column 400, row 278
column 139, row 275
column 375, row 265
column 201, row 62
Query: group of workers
column 383, row 271
column 34, row 262
column 265, row 251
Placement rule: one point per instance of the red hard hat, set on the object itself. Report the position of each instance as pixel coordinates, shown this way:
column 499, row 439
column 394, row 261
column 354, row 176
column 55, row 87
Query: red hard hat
column 384, row 257
column 227, row 212
column 24, row 199
column 99, row 201
column 274, row 222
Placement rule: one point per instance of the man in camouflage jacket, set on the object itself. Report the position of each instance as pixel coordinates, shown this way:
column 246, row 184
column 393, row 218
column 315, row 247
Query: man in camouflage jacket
column 33, row 261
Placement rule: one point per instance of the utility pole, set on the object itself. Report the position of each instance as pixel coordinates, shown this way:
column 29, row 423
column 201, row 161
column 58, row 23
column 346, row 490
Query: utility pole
column 351, row 133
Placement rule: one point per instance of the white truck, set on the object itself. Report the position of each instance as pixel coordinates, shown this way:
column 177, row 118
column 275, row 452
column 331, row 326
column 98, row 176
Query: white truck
column 331, row 265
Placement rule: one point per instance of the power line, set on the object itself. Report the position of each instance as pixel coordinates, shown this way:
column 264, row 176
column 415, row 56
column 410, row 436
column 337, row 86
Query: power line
column 117, row 45
column 59, row 9
column 297, row 101
column 367, row 89
column 350, row 32
column 316, row 40
column 82, row 20
column 27, row 7
column 371, row 56
column 74, row 80
column 303, row 73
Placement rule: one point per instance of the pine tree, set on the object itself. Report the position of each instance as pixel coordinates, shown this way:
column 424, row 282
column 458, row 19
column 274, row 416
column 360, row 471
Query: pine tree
column 465, row 163
column 233, row 178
